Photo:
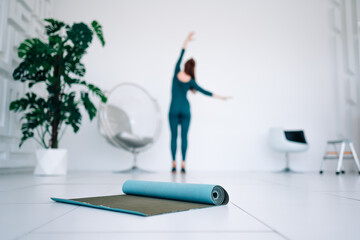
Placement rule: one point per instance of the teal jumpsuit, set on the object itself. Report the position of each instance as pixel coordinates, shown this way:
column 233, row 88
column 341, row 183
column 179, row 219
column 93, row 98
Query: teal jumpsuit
column 179, row 113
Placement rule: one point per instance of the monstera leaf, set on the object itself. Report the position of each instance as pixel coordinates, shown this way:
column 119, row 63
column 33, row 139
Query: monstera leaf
column 80, row 34
column 54, row 26
column 98, row 31
column 35, row 115
column 36, row 63
column 89, row 106
column 94, row 89
column 72, row 114
column 27, row 45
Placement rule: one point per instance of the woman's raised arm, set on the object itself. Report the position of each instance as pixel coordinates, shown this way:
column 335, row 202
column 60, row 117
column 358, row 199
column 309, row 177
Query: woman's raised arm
column 187, row 40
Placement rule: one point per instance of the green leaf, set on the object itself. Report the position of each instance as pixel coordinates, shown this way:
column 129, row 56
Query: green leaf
column 97, row 91
column 75, row 67
column 72, row 113
column 29, row 101
column 34, row 117
column 19, row 105
column 81, row 35
column 98, row 31
column 79, row 69
column 89, row 106
column 26, row 45
column 37, row 62
column 26, row 135
column 19, row 72
column 54, row 26
column 69, row 81
column 55, row 41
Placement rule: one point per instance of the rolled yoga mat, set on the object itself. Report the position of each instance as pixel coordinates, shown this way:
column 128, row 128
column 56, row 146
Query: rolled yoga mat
column 147, row 198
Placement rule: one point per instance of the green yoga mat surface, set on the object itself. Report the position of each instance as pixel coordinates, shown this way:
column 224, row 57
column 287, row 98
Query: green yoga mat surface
column 146, row 198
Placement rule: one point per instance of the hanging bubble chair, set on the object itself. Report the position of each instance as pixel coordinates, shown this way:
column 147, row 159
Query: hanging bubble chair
column 130, row 120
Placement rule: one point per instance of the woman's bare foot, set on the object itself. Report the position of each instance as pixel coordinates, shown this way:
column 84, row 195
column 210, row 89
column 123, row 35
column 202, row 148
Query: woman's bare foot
column 183, row 167
column 173, row 170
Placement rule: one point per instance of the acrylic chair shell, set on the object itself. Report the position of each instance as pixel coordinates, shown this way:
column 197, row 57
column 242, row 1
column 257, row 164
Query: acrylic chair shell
column 130, row 120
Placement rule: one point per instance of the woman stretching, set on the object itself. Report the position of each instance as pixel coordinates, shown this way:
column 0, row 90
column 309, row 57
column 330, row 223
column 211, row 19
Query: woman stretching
column 179, row 113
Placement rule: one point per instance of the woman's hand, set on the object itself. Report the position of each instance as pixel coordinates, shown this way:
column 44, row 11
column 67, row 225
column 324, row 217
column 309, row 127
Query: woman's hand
column 188, row 39
column 221, row 97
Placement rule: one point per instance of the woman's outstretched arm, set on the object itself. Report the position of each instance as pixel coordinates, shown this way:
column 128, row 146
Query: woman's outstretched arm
column 187, row 40
column 221, row 97
column 207, row 93
column 200, row 89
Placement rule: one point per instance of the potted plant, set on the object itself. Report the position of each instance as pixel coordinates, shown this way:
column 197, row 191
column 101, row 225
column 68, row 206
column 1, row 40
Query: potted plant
column 55, row 63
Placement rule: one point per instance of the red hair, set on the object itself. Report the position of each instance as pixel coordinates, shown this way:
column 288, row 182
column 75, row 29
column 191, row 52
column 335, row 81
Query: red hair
column 190, row 70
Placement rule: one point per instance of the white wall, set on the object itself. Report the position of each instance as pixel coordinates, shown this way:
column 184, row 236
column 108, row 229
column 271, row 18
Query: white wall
column 273, row 57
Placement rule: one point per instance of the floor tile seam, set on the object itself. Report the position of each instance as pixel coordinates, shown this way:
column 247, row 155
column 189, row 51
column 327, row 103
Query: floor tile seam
column 281, row 184
column 333, row 191
column 44, row 224
column 19, row 203
column 262, row 222
column 303, row 189
column 46, row 184
column 80, row 184
column 29, row 203
column 20, row 188
column 338, row 196
column 149, row 232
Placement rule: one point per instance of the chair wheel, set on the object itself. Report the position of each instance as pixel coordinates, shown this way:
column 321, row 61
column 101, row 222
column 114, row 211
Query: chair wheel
column 337, row 173
column 321, row 172
column 343, row 171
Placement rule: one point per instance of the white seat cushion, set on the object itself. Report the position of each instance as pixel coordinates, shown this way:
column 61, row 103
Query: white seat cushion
column 132, row 140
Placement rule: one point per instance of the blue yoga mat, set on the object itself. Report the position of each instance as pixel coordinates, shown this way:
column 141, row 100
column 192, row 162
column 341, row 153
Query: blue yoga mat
column 200, row 193
column 146, row 198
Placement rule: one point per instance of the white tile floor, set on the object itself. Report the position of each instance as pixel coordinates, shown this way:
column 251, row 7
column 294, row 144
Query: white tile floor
column 263, row 206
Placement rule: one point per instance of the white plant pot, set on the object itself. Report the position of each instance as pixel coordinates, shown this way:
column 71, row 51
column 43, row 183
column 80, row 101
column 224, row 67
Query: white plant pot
column 51, row 162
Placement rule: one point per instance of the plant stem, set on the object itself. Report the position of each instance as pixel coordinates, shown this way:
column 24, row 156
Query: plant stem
column 62, row 133
column 44, row 134
column 39, row 134
column 56, row 114
column 38, row 141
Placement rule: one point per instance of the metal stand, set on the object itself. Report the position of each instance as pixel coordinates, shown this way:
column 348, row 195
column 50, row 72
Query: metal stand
column 340, row 156
column 134, row 169
column 287, row 168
